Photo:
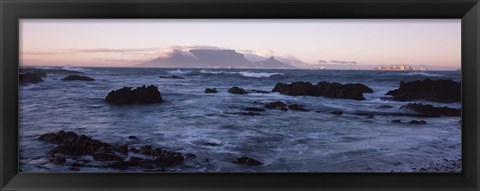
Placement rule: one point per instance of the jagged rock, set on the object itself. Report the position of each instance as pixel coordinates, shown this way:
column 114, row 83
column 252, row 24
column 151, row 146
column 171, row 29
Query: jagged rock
column 77, row 77
column 430, row 110
column 237, row 90
column 396, row 121
column 247, row 161
column 28, row 78
column 427, row 89
column 139, row 95
column 132, row 137
column 326, row 89
column 297, row 107
column 276, row 105
column 210, row 90
column 172, row 77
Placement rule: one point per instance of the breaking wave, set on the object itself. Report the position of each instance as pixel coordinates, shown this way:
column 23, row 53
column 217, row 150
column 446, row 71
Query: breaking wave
column 244, row 74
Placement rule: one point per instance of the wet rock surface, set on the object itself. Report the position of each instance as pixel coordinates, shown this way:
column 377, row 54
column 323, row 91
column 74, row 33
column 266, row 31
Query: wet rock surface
column 24, row 79
column 237, row 90
column 427, row 89
column 72, row 145
column 172, row 77
column 210, row 90
column 276, row 105
column 139, row 95
column 247, row 161
column 78, row 78
column 325, row 89
column 429, row 110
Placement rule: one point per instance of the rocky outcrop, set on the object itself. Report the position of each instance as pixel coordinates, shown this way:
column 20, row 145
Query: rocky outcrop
column 276, row 105
column 429, row 110
column 254, row 109
column 427, row 89
column 70, row 144
column 77, row 77
column 43, row 72
column 297, row 107
column 24, row 79
column 237, row 90
column 210, row 90
column 326, row 89
column 139, row 95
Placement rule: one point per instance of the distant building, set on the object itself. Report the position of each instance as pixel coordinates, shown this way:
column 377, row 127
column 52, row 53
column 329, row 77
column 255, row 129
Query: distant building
column 398, row 68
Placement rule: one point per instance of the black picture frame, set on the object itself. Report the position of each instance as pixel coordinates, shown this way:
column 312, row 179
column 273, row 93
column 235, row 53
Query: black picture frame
column 13, row 10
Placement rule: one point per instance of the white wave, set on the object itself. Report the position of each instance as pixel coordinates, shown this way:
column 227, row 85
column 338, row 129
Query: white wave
column 245, row 74
column 422, row 74
column 178, row 71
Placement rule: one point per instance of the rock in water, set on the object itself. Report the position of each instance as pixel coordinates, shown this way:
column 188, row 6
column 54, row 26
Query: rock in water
column 28, row 78
column 139, row 95
column 420, row 122
column 336, row 112
column 297, row 107
column 210, row 90
column 326, row 89
column 77, row 77
column 427, row 89
column 236, row 90
column 276, row 105
column 172, row 77
column 431, row 111
column 247, row 161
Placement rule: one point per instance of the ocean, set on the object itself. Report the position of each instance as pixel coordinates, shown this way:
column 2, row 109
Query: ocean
column 210, row 126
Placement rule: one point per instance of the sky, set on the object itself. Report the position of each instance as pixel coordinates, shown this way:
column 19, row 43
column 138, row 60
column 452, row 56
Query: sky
column 351, row 43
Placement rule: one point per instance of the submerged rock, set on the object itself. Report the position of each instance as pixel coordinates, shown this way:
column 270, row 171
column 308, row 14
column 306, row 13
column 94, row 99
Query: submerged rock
column 276, row 105
column 237, row 90
column 247, row 161
column 420, row 122
column 139, row 95
column 254, row 109
column 297, row 107
column 336, row 112
column 172, row 77
column 77, row 77
column 427, row 89
column 326, row 89
column 432, row 111
column 24, row 79
column 210, row 90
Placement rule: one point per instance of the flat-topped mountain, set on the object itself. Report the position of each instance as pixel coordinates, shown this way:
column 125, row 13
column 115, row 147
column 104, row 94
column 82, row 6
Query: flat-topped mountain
column 212, row 58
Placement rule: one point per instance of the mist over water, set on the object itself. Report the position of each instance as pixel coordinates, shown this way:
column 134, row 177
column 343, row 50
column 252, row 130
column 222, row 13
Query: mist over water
column 190, row 121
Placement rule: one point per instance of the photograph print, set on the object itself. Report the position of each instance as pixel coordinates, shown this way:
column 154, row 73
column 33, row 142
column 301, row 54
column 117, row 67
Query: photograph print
column 240, row 95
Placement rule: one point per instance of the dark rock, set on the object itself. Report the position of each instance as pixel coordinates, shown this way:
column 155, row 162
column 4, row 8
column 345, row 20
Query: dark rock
column 247, row 113
column 38, row 72
column 72, row 168
column 420, row 122
column 427, row 89
column 190, row 155
column 385, row 107
column 140, row 95
column 162, row 156
column 326, row 89
column 297, row 107
column 50, row 137
column 123, row 149
column 254, row 109
column 172, row 77
column 57, row 159
column 396, row 121
column 336, row 112
column 42, row 72
column 237, row 90
column 24, row 79
column 132, row 137
column 247, row 161
column 276, row 105
column 77, row 77
column 366, row 114
column 430, row 110
column 210, row 90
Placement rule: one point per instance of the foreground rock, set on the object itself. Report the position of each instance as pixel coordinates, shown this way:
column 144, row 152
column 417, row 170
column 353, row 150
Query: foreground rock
column 247, row 161
column 429, row 110
column 431, row 90
column 38, row 72
column 326, row 89
column 210, row 90
column 77, row 77
column 24, row 79
column 237, row 90
column 69, row 144
column 172, row 77
column 139, row 95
